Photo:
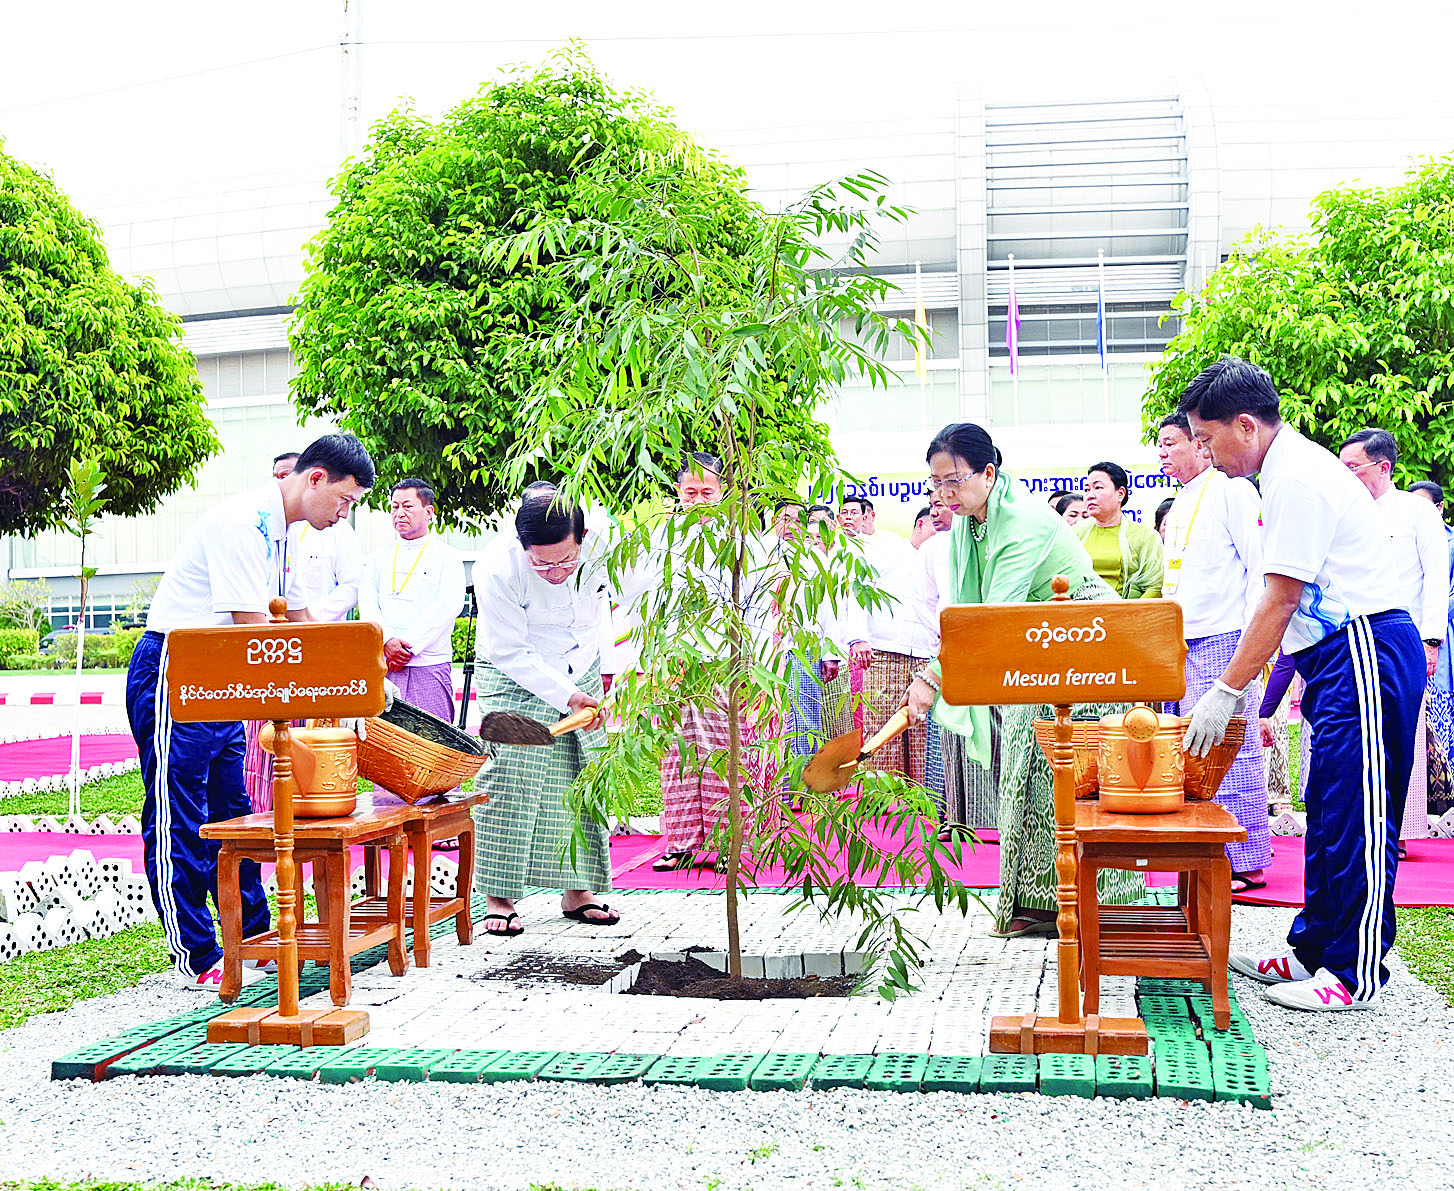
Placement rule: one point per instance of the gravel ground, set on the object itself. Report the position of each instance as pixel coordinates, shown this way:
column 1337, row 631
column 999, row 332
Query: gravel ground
column 1361, row 1099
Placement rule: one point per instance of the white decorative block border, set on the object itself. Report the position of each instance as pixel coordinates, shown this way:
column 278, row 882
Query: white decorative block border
column 67, row 899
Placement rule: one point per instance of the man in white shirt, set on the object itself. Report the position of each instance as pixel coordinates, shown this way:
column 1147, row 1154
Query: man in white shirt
column 1330, row 600
column 414, row 589
column 231, row 564
column 325, row 565
column 1214, row 571
column 542, row 596
column 1421, row 561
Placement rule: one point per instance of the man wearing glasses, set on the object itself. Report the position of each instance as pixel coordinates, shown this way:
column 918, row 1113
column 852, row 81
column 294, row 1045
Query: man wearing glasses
column 1420, row 576
column 542, row 599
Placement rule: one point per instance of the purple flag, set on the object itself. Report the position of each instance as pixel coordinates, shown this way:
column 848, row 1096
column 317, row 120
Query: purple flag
column 1012, row 328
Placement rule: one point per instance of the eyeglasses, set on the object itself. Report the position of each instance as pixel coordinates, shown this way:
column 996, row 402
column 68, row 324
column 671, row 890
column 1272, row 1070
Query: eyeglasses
column 936, row 484
column 1355, row 468
column 565, row 564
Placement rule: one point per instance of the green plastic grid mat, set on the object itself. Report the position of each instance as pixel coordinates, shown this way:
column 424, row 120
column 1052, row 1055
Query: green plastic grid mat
column 1190, row 1059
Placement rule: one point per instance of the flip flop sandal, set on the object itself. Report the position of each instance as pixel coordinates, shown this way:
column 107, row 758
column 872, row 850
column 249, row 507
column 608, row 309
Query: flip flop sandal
column 509, row 932
column 671, row 861
column 579, row 915
column 1034, row 927
column 1246, row 885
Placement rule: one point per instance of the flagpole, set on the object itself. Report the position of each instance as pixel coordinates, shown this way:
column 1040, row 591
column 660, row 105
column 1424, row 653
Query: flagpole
column 1012, row 341
column 921, row 364
column 1102, row 335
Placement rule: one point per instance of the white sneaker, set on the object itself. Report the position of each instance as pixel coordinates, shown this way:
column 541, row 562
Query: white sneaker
column 1321, row 993
column 268, row 966
column 1269, row 969
column 211, row 979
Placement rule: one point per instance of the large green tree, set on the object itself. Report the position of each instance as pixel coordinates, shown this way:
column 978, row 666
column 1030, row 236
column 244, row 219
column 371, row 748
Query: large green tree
column 415, row 334
column 90, row 366
column 1354, row 322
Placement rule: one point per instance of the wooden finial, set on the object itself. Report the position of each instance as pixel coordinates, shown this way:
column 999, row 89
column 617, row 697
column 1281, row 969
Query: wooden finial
column 1060, row 587
column 279, row 609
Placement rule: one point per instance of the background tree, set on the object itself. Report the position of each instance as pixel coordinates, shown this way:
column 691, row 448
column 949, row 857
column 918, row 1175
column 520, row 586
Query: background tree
column 85, row 484
column 91, row 366
column 1355, row 322
column 674, row 350
column 418, row 337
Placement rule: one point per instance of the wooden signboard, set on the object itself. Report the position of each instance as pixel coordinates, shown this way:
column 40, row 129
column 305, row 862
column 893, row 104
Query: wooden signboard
column 1064, row 652
column 280, row 671
column 292, row 671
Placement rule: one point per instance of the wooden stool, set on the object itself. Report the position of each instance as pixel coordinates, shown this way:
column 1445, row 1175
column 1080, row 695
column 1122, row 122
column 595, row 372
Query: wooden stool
column 427, row 823
column 1189, row 939
column 336, row 936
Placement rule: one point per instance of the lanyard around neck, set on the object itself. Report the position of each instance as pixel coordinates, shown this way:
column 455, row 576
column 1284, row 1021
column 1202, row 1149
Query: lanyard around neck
column 1195, row 509
column 395, row 587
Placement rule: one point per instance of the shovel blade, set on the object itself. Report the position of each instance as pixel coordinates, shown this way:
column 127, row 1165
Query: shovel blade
column 833, row 765
column 510, row 727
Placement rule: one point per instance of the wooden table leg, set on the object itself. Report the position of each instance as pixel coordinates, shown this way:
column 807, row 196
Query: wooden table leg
column 371, row 868
column 398, row 957
column 1220, row 939
column 418, row 835
column 321, row 892
column 229, row 910
column 1090, row 934
column 464, row 923
column 340, row 975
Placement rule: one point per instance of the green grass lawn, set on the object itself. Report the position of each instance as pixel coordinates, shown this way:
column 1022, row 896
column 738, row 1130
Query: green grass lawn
column 1426, row 942
column 114, row 796
column 45, row 981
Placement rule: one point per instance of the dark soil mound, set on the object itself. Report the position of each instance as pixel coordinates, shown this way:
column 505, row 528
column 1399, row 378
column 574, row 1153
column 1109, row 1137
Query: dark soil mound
column 692, row 978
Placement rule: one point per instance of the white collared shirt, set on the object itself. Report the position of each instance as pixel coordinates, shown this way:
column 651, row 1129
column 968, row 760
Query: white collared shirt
column 233, row 559
column 329, row 567
column 1214, row 554
column 415, row 590
column 543, row 636
column 898, row 627
column 1421, row 559
column 1320, row 526
column 938, row 590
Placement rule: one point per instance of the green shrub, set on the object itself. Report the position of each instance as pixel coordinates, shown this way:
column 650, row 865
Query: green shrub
column 461, row 646
column 100, row 651
column 125, row 641
column 16, row 641
column 26, row 661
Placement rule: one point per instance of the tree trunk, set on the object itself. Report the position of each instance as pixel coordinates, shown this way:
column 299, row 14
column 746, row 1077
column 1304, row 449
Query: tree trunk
column 734, row 770
column 73, row 801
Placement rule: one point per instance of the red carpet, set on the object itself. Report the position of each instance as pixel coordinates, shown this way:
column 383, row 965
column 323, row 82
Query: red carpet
column 52, row 755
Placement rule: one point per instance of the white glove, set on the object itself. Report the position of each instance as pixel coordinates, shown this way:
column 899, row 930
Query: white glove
column 1209, row 718
column 391, row 692
column 356, row 726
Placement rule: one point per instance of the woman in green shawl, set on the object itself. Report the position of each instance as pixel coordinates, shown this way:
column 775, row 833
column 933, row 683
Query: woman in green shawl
column 1007, row 546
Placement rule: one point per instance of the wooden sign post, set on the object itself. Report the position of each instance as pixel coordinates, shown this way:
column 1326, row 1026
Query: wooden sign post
column 1064, row 652
column 280, row 671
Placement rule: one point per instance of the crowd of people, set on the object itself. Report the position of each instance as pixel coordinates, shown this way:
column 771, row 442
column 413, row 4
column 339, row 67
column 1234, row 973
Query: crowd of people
column 1328, row 571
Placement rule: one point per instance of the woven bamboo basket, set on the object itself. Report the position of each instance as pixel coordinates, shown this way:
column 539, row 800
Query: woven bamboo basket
column 415, row 754
column 1204, row 774
column 1085, row 738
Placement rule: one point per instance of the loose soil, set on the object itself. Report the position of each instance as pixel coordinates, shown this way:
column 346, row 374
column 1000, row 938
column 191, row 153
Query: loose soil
column 690, row 977
column 537, row 967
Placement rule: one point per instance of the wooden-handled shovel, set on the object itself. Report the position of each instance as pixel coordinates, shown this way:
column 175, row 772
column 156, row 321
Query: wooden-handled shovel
column 510, row 727
column 833, row 766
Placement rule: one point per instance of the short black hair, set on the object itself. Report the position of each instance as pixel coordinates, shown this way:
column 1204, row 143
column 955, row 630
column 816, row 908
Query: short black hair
column 1117, row 474
column 1231, row 386
column 285, row 455
column 341, row 456
column 426, row 493
column 1066, row 500
column 1432, row 487
column 700, row 463
column 1057, row 494
column 1177, row 419
column 818, row 509
column 864, row 504
column 1162, row 509
column 545, row 520
column 1377, row 444
column 786, row 504
column 922, row 513
column 535, row 487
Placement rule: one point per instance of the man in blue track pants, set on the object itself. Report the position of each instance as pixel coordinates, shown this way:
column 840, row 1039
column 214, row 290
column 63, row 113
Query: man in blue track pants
column 1330, row 601
column 231, row 564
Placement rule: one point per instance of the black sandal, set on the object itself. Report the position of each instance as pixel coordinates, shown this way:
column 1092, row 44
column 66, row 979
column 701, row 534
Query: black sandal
column 671, row 861
column 509, row 932
column 579, row 914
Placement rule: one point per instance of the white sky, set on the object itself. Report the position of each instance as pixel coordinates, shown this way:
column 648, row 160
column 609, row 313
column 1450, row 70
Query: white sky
column 125, row 100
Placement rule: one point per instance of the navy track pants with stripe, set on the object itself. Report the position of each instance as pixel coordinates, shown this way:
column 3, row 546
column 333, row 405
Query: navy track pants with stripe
column 1365, row 684
column 193, row 775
